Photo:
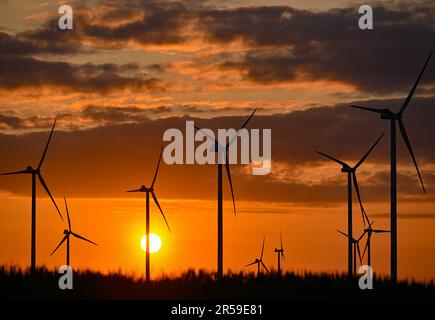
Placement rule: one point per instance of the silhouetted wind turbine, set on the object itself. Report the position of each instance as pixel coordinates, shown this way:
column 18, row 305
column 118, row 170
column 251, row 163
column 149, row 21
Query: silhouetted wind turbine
column 67, row 234
column 397, row 117
column 356, row 248
column 149, row 191
column 220, row 149
column 280, row 253
column 351, row 177
column 369, row 230
column 37, row 173
column 259, row 262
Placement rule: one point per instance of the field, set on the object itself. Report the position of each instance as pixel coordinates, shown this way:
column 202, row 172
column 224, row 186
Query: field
column 20, row 284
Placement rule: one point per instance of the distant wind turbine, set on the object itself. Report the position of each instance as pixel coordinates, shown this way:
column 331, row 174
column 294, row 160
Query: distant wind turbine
column 355, row 247
column 149, row 191
column 259, row 262
column 67, row 234
column 369, row 230
column 397, row 117
column 220, row 150
column 37, row 173
column 351, row 177
column 280, row 253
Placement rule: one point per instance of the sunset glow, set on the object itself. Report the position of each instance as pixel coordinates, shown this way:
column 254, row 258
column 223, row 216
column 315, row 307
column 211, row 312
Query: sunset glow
column 87, row 108
column 155, row 243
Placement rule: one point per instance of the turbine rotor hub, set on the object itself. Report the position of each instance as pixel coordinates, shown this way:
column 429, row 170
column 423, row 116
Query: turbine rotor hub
column 387, row 114
column 347, row 169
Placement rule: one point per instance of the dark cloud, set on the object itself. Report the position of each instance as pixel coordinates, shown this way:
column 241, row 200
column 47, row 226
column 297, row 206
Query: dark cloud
column 15, row 45
column 19, row 72
column 282, row 44
column 127, row 141
column 11, row 122
column 118, row 23
column 113, row 114
column 328, row 45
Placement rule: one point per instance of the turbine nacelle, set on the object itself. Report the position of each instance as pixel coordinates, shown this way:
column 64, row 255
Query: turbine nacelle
column 145, row 189
column 348, row 169
column 387, row 114
column 66, row 231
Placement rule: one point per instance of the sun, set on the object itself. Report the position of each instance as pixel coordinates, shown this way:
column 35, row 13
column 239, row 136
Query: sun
column 155, row 243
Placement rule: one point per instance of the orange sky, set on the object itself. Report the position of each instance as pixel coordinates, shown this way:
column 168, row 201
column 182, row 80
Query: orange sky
column 309, row 236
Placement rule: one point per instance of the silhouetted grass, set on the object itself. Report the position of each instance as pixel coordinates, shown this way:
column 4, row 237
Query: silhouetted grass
column 43, row 284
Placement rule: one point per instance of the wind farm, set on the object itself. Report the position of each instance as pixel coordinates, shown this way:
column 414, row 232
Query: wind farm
column 184, row 134
column 352, row 179
column 397, row 118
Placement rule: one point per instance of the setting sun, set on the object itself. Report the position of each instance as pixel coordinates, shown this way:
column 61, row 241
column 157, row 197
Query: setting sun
column 155, row 243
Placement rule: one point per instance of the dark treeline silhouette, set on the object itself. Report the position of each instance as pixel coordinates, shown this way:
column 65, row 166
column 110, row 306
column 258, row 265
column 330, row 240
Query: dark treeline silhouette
column 43, row 284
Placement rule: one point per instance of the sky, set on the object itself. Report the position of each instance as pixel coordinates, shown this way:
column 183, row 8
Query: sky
column 129, row 70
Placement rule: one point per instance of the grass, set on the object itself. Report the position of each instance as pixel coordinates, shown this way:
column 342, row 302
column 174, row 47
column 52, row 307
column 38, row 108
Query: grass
column 16, row 283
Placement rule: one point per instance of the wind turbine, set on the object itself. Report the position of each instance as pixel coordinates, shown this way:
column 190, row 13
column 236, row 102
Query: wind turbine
column 355, row 247
column 259, row 262
column 351, row 177
column 221, row 150
column 67, row 234
column 397, row 117
column 37, row 173
column 150, row 191
column 369, row 230
column 280, row 253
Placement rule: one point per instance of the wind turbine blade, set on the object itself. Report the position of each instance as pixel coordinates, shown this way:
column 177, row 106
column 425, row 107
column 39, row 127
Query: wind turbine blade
column 280, row 237
column 381, row 231
column 408, row 99
column 231, row 141
column 408, row 144
column 362, row 236
column 251, row 264
column 367, row 109
column 83, row 238
column 262, row 249
column 63, row 240
column 367, row 244
column 46, row 146
column 161, row 211
column 264, row 266
column 15, row 172
column 136, row 190
column 333, row 159
column 283, row 256
column 67, row 214
column 359, row 253
column 157, row 169
column 363, row 212
column 368, row 152
column 207, row 135
column 246, row 122
column 227, row 168
column 44, row 185
column 344, row 234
